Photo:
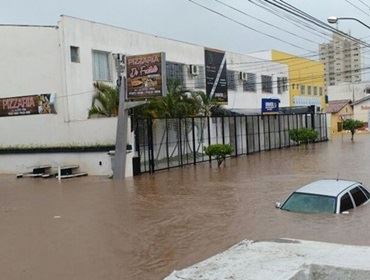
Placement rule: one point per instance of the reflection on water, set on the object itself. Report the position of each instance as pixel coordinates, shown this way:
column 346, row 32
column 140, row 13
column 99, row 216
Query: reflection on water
column 155, row 224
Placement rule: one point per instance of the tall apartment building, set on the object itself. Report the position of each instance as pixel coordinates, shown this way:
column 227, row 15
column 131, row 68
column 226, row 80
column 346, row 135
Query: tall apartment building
column 342, row 60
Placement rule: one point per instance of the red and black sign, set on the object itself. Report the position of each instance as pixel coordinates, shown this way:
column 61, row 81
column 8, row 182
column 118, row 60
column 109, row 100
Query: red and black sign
column 27, row 105
column 145, row 75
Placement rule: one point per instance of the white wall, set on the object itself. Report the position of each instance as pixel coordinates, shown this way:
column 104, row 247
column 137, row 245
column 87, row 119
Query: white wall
column 252, row 100
column 361, row 111
column 90, row 36
column 353, row 91
column 98, row 163
column 31, row 64
column 36, row 60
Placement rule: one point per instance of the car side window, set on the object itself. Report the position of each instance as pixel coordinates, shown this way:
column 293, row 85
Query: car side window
column 358, row 196
column 365, row 191
column 345, row 203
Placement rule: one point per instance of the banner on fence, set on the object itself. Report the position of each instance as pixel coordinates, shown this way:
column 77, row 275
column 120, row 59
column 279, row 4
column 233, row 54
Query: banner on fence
column 27, row 105
column 216, row 78
column 270, row 106
column 146, row 75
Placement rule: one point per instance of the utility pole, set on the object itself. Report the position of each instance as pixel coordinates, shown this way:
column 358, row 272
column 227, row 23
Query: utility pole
column 119, row 166
column 119, row 161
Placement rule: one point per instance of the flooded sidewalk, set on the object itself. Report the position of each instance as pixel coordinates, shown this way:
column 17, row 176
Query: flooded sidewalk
column 94, row 228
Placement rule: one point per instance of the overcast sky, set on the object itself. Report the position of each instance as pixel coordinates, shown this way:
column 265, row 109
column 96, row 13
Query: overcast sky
column 182, row 20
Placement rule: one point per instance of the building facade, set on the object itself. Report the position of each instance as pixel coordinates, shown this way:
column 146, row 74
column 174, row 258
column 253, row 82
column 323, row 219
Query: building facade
column 342, row 60
column 65, row 60
column 352, row 91
column 338, row 111
column 306, row 78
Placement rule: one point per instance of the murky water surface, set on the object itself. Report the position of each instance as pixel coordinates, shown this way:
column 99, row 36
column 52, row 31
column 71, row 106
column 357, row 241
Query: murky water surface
column 151, row 225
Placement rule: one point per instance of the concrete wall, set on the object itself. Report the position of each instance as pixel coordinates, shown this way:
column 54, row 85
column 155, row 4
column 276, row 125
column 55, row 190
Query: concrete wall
column 361, row 111
column 252, row 100
column 352, row 91
column 90, row 36
column 98, row 163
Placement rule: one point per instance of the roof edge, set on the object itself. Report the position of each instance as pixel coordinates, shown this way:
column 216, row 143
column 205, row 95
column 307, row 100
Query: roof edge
column 28, row 25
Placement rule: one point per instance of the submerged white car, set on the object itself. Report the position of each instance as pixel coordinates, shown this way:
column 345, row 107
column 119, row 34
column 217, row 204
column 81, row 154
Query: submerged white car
column 326, row 196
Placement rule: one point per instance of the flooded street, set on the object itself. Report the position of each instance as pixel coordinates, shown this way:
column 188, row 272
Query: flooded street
column 93, row 228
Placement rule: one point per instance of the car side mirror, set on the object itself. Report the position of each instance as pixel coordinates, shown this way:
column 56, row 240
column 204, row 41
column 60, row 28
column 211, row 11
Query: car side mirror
column 277, row 205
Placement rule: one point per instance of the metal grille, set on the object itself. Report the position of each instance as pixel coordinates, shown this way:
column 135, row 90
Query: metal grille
column 167, row 143
column 231, row 81
column 266, row 82
column 250, row 83
column 175, row 71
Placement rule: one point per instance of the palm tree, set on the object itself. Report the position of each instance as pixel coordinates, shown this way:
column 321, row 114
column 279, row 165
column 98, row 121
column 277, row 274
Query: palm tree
column 206, row 105
column 177, row 103
column 105, row 102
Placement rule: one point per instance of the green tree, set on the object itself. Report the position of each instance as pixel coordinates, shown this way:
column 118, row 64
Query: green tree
column 352, row 125
column 105, row 102
column 218, row 151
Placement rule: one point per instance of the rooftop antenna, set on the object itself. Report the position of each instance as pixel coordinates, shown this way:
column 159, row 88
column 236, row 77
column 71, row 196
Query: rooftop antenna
column 337, row 176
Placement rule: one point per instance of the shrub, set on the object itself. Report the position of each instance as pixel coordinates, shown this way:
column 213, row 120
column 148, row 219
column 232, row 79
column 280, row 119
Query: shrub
column 218, row 151
column 303, row 135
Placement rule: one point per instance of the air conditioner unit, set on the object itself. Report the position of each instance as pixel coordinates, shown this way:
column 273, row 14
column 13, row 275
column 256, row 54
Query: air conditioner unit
column 194, row 70
column 242, row 76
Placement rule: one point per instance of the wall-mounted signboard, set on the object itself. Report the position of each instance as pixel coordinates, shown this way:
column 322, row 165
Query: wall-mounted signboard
column 146, row 76
column 270, row 106
column 216, row 75
column 27, row 105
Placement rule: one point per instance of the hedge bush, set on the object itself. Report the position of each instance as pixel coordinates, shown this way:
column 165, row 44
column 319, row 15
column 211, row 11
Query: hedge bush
column 303, row 135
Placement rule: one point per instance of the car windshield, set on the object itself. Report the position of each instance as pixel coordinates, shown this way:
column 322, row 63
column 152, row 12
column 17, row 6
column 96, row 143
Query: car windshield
column 309, row 203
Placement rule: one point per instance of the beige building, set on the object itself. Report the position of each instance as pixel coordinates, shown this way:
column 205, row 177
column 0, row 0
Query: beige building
column 342, row 61
column 338, row 111
column 361, row 109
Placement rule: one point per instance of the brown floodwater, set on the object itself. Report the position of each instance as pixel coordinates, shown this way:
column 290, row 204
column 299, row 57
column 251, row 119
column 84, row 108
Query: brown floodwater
column 93, row 228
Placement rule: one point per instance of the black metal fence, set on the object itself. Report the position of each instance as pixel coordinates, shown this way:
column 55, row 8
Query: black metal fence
column 166, row 143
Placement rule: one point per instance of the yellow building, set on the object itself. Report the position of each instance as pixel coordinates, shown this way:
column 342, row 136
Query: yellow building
column 306, row 79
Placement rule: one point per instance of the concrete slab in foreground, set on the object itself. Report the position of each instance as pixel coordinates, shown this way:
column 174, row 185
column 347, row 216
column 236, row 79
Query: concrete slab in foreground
column 282, row 259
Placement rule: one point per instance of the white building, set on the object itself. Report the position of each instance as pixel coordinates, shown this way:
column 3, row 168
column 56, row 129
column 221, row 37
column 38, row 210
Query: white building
column 342, row 60
column 352, row 91
column 66, row 59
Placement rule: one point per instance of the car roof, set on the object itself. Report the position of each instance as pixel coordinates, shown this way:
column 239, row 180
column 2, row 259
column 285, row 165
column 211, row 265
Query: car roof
column 327, row 187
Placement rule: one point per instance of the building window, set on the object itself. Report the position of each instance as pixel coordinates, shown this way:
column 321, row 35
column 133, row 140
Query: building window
column 199, row 80
column 231, row 81
column 266, row 83
column 309, row 90
column 314, row 90
column 285, row 84
column 175, row 72
column 280, row 85
column 75, row 54
column 320, row 91
column 101, row 69
column 250, row 83
column 293, row 86
column 303, row 89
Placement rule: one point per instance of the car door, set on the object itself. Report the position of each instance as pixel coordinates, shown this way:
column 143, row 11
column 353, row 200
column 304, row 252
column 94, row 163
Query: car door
column 359, row 197
column 346, row 202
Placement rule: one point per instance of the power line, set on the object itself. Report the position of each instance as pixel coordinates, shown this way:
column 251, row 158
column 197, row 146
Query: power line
column 292, row 20
column 265, row 22
column 357, row 7
column 307, row 17
column 363, row 2
column 246, row 26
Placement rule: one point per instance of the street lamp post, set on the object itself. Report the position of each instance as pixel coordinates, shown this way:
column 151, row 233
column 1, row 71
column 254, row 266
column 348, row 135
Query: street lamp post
column 334, row 19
